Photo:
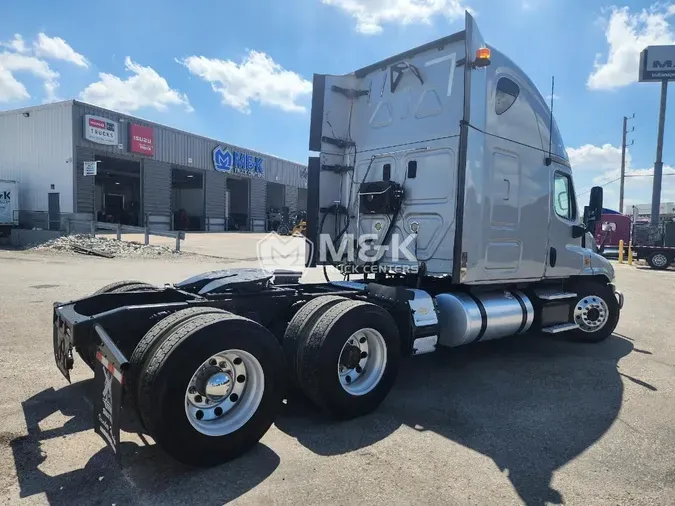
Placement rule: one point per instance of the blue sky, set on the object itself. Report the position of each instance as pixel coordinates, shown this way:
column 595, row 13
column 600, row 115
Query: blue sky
column 241, row 71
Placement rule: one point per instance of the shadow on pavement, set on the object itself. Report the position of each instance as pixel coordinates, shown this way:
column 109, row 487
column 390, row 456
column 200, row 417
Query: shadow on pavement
column 146, row 473
column 530, row 404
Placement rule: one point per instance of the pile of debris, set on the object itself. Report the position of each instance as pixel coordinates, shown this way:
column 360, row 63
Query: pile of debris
column 107, row 248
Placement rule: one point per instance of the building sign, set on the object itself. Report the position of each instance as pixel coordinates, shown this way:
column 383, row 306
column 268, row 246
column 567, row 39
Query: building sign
column 141, row 139
column 657, row 63
column 90, row 168
column 100, row 130
column 235, row 162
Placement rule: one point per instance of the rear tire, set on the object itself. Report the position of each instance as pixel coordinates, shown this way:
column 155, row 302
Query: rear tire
column 117, row 285
column 88, row 353
column 658, row 261
column 156, row 336
column 332, row 368
column 164, row 397
column 301, row 323
column 596, row 311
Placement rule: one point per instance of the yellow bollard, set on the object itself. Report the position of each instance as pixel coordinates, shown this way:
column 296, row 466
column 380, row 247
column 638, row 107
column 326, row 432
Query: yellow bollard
column 630, row 253
column 621, row 251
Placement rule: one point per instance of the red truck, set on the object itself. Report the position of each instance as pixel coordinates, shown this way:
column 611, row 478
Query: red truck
column 612, row 228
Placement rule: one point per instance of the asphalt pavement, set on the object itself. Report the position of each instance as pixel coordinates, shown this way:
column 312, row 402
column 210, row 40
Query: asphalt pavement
column 528, row 420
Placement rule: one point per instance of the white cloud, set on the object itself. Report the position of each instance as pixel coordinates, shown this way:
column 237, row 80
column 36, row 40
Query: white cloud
column 258, row 78
column 10, row 88
column 16, row 62
column 627, row 35
column 58, row 49
column 596, row 158
column 146, row 88
column 601, row 165
column 17, row 58
column 17, row 44
column 370, row 15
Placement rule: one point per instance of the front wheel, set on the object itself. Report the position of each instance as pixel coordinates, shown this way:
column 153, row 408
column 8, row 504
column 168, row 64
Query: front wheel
column 596, row 312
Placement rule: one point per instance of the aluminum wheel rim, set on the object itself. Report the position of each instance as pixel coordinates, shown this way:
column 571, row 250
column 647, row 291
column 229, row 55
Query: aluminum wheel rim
column 224, row 392
column 659, row 260
column 591, row 313
column 365, row 375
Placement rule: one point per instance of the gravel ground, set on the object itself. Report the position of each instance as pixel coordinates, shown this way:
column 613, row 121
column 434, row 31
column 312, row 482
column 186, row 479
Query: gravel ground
column 530, row 420
column 81, row 243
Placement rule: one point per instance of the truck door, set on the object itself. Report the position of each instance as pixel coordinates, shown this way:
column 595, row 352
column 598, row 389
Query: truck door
column 565, row 255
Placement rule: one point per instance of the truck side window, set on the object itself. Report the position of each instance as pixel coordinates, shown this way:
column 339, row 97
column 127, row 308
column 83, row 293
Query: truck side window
column 386, row 172
column 507, row 93
column 563, row 199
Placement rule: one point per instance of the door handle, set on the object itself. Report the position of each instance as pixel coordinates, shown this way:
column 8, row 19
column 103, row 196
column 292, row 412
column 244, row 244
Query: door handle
column 508, row 189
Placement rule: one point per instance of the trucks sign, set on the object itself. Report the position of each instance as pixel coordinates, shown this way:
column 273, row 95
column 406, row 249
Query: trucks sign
column 101, row 130
column 235, row 162
column 141, row 140
column 657, row 63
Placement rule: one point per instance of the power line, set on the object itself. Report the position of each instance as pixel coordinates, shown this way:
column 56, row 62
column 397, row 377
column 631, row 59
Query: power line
column 619, row 178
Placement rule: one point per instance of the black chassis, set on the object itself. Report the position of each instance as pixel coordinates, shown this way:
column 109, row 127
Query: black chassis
column 112, row 324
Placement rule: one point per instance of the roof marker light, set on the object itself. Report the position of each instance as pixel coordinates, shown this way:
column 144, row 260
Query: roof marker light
column 482, row 57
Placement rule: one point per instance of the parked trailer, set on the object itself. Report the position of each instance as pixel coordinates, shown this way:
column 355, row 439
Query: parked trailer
column 428, row 146
column 655, row 243
column 9, row 206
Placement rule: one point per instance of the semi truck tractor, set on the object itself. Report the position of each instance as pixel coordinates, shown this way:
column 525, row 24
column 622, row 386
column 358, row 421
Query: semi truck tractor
column 439, row 186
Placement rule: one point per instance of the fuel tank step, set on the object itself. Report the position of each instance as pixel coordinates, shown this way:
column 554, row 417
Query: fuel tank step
column 554, row 294
column 561, row 327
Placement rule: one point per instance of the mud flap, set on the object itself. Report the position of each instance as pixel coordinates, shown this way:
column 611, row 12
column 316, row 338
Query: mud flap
column 108, row 402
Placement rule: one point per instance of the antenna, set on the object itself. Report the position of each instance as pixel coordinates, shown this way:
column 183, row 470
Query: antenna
column 550, row 126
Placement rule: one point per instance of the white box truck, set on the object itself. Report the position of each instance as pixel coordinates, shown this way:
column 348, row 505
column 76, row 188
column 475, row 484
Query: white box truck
column 9, row 206
column 447, row 149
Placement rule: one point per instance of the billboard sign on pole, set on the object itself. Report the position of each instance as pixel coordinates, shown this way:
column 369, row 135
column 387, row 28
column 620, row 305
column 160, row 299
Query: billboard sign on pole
column 657, row 63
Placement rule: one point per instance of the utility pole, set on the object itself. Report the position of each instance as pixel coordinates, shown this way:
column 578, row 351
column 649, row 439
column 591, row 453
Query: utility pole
column 623, row 159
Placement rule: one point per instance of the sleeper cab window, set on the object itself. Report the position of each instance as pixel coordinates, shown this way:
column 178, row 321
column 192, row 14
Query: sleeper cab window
column 507, row 93
column 563, row 198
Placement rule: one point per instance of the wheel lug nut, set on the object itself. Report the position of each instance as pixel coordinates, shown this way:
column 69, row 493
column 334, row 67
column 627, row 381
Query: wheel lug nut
column 199, row 414
column 218, row 411
column 213, row 361
column 358, row 369
column 222, row 365
column 198, row 398
column 364, row 354
column 234, row 397
column 362, row 340
column 241, row 378
column 192, row 390
column 348, row 379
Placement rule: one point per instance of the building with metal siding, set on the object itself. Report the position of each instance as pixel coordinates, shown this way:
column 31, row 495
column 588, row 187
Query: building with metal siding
column 44, row 148
column 36, row 149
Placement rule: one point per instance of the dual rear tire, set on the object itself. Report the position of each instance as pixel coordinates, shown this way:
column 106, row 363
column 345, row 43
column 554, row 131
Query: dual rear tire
column 343, row 354
column 206, row 384
column 88, row 353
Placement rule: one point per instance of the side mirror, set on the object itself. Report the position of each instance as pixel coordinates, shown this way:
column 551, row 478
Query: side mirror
column 593, row 213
